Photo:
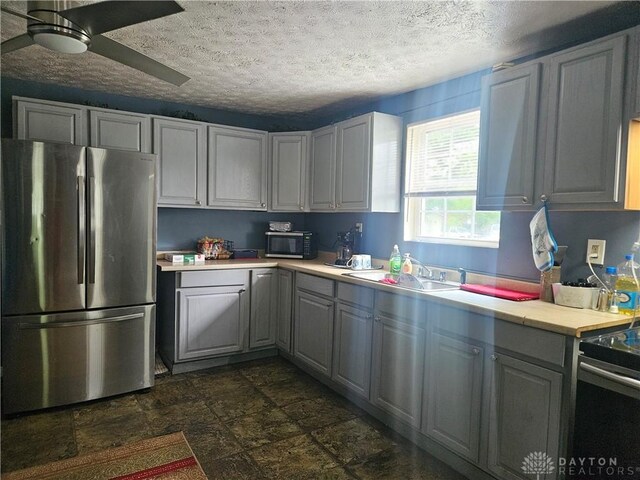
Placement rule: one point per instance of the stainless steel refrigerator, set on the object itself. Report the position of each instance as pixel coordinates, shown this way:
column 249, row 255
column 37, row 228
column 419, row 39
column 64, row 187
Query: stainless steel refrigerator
column 78, row 273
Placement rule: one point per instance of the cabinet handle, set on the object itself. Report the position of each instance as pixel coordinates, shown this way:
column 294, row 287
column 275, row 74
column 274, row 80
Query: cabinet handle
column 331, row 205
column 339, row 205
column 369, row 317
column 543, row 197
column 476, row 351
column 301, row 207
column 262, row 204
column 377, row 319
column 525, row 200
column 493, row 357
column 242, row 290
column 198, row 202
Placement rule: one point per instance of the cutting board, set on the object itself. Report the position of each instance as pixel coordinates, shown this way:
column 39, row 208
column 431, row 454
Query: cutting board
column 505, row 293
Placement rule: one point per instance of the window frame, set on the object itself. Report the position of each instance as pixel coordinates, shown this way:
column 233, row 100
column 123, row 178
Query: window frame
column 413, row 200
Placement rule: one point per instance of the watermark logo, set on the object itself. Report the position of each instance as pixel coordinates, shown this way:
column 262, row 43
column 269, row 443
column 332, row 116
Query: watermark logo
column 537, row 463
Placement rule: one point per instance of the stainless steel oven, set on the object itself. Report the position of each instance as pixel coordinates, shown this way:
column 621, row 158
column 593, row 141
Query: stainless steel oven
column 607, row 423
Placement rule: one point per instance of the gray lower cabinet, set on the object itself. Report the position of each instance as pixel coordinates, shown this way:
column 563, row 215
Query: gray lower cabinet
column 524, row 415
column 212, row 321
column 284, row 305
column 264, row 290
column 398, row 367
column 352, row 334
column 181, row 146
column 120, row 130
column 508, row 136
column 313, row 331
column 237, row 168
column 453, row 394
column 45, row 121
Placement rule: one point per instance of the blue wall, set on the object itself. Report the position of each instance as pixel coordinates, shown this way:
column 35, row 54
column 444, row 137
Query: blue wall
column 180, row 228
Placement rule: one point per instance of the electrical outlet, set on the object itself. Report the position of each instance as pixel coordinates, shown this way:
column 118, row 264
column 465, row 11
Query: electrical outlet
column 359, row 227
column 595, row 251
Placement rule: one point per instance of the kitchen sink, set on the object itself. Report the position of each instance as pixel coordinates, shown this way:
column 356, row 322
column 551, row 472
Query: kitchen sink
column 406, row 281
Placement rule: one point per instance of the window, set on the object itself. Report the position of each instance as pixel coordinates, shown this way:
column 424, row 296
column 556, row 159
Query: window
column 441, row 178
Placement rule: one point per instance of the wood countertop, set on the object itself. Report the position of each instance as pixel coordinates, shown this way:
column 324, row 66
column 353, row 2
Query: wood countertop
column 534, row 313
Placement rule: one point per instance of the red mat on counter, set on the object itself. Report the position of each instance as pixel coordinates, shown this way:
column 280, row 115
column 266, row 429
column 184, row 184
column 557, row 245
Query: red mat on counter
column 499, row 292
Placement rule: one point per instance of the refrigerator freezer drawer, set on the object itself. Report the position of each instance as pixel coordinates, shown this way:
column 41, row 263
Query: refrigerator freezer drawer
column 59, row 359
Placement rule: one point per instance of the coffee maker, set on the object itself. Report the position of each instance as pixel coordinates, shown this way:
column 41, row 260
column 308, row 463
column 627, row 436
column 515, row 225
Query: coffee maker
column 345, row 247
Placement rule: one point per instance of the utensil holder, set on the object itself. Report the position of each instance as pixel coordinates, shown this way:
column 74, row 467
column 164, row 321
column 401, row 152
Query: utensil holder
column 548, row 278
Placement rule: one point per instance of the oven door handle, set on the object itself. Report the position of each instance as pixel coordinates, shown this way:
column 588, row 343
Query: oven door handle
column 614, row 377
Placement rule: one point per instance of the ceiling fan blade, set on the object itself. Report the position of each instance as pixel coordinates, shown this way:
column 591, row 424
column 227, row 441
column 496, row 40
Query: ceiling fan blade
column 120, row 53
column 26, row 16
column 105, row 16
column 16, row 43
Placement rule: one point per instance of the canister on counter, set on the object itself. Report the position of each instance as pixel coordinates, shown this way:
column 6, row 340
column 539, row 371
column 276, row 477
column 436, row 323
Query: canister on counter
column 547, row 278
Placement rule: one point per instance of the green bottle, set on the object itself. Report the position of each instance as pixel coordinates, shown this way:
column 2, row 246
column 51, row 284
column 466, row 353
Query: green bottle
column 395, row 261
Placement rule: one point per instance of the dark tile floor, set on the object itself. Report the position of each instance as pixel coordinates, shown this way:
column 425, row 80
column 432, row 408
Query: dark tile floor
column 258, row 420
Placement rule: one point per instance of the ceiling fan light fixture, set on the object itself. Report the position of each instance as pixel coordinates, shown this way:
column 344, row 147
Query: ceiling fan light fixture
column 60, row 42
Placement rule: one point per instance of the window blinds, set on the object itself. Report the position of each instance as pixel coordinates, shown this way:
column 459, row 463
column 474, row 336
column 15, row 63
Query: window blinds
column 442, row 156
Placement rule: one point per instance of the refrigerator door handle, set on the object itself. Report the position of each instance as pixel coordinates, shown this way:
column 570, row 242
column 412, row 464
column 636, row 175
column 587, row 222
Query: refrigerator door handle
column 92, row 230
column 81, row 323
column 81, row 229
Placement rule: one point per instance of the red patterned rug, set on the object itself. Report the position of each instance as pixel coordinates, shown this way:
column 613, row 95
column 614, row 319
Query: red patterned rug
column 161, row 458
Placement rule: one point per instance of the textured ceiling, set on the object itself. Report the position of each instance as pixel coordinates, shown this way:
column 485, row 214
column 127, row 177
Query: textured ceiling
column 299, row 57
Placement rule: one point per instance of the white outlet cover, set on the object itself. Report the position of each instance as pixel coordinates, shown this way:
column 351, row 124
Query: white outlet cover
column 599, row 245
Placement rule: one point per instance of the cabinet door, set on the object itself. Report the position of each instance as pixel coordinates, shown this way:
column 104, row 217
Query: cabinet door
column 524, row 415
column 583, row 124
column 323, row 169
column 353, row 164
column 264, row 289
column 453, row 395
column 352, row 348
column 398, row 368
column 313, row 331
column 288, row 171
column 508, row 135
column 47, row 122
column 182, row 165
column 285, row 304
column 237, row 168
column 123, row 131
column 212, row 321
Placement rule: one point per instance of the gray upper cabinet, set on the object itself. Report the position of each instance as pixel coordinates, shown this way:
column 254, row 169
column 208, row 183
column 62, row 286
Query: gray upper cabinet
column 284, row 315
column 181, row 146
column 508, row 135
column 584, row 119
column 120, row 130
column 323, row 169
column 46, row 121
column 237, row 168
column 453, row 395
column 398, row 368
column 524, row 415
column 289, row 154
column 264, row 289
column 353, row 332
column 355, row 165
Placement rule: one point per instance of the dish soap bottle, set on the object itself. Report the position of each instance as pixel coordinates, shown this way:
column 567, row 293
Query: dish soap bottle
column 406, row 265
column 627, row 285
column 395, row 261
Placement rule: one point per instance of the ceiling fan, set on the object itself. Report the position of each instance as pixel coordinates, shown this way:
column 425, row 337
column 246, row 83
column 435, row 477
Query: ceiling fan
column 75, row 30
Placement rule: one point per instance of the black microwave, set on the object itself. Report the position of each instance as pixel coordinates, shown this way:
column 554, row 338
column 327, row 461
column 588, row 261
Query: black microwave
column 301, row 245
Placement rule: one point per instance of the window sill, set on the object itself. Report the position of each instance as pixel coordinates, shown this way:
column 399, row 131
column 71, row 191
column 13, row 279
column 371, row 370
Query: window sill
column 462, row 242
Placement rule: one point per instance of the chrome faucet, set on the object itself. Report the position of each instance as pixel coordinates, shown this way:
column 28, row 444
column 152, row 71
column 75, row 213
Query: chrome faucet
column 463, row 276
column 421, row 269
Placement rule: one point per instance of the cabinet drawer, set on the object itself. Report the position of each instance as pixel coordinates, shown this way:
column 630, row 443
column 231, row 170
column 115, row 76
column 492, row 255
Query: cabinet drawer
column 203, row 278
column 402, row 308
column 546, row 346
column 321, row 286
column 356, row 295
